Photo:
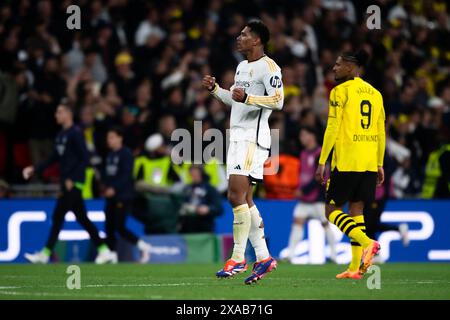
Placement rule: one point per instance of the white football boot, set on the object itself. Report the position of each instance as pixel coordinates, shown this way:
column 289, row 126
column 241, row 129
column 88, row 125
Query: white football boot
column 37, row 257
column 106, row 256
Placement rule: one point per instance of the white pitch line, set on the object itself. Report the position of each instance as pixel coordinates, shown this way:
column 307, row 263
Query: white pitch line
column 52, row 294
column 5, row 292
column 109, row 285
column 144, row 285
column 418, row 282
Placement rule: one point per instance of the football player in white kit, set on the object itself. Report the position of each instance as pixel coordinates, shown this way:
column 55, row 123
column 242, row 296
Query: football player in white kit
column 257, row 90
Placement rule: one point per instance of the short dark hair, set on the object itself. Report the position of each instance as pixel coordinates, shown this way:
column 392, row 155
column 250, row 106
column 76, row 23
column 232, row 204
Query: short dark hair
column 201, row 168
column 66, row 105
column 117, row 130
column 260, row 29
column 311, row 130
column 359, row 58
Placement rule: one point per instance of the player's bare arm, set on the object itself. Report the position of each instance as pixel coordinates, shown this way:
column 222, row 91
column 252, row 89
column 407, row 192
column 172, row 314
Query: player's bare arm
column 320, row 172
column 380, row 176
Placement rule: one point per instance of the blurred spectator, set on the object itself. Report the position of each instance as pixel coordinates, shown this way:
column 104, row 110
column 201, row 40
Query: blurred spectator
column 47, row 92
column 93, row 137
column 135, row 62
column 166, row 125
column 124, row 77
column 310, row 194
column 87, row 125
column 202, row 203
column 437, row 174
column 118, row 191
column 284, row 183
column 149, row 29
column 175, row 106
column 133, row 131
column 8, row 111
column 153, row 171
column 212, row 160
column 110, row 95
column 93, row 64
column 4, row 190
column 156, row 203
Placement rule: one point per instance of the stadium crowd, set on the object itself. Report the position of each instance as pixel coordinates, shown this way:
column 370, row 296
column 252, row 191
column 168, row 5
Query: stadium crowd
column 138, row 64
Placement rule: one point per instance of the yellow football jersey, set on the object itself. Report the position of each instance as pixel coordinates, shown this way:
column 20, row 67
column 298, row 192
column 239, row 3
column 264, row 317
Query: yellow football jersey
column 355, row 128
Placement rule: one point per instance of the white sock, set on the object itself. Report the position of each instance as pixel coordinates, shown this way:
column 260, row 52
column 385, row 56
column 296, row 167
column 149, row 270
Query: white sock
column 241, row 228
column 295, row 237
column 143, row 246
column 330, row 239
column 256, row 235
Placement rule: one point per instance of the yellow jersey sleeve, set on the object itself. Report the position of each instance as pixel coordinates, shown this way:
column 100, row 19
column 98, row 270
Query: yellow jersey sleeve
column 381, row 136
column 335, row 105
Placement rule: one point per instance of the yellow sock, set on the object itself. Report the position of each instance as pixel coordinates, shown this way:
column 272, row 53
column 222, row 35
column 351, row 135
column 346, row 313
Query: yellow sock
column 347, row 225
column 356, row 247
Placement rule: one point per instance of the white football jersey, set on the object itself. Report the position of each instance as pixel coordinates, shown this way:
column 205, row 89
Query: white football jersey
column 261, row 81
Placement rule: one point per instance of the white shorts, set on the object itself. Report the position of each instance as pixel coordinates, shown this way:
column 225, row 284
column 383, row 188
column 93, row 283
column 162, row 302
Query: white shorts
column 314, row 210
column 246, row 158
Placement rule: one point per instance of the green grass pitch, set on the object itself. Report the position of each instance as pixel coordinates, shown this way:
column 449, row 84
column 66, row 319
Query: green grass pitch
column 197, row 281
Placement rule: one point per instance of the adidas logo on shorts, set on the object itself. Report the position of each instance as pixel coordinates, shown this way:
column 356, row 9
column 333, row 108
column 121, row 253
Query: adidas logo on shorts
column 238, row 167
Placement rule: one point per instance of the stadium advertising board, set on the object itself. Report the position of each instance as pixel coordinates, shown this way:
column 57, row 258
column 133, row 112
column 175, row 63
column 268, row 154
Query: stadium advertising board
column 24, row 226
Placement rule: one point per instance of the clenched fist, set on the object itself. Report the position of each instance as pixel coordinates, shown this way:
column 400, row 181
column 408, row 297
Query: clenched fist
column 238, row 95
column 28, row 172
column 209, row 82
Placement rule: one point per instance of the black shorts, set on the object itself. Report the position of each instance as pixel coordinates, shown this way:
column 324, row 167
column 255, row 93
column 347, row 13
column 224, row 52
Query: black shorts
column 351, row 186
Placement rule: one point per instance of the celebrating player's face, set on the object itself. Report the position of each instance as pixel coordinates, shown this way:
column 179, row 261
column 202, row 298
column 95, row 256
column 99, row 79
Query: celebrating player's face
column 244, row 40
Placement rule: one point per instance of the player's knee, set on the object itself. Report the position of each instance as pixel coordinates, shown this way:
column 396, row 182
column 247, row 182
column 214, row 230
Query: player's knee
column 328, row 210
column 299, row 221
column 356, row 208
column 236, row 198
column 249, row 200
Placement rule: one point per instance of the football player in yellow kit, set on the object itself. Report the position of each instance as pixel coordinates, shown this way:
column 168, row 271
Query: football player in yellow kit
column 356, row 134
